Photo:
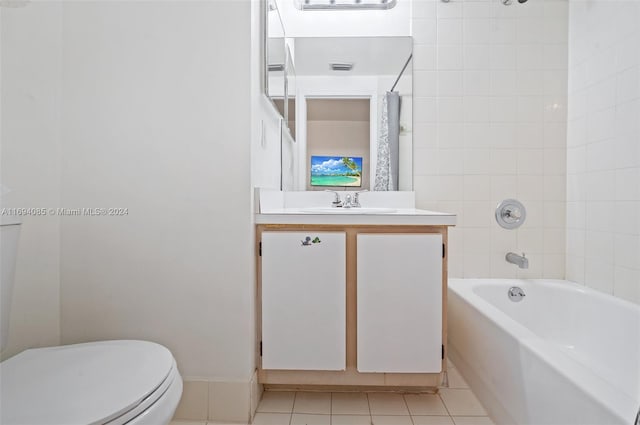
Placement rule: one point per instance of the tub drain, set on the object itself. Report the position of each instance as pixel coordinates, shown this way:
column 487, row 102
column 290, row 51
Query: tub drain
column 516, row 294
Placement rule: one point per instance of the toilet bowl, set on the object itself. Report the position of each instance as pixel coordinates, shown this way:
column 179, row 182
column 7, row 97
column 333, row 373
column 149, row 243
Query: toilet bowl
column 107, row 382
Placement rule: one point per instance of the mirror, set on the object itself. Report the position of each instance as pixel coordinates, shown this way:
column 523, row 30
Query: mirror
column 353, row 113
column 275, row 53
column 288, row 109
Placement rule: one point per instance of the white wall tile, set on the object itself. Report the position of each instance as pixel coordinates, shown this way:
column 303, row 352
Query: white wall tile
column 603, row 134
column 425, row 84
column 476, row 56
column 449, row 11
column 449, row 31
column 424, row 31
column 477, row 31
column 424, row 57
column 627, row 284
column 496, row 136
column 423, row 9
column 450, row 83
column 450, row 56
column 450, row 135
column 450, row 109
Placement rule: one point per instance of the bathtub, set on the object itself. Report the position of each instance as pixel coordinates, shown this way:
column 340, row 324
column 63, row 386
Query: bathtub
column 564, row 354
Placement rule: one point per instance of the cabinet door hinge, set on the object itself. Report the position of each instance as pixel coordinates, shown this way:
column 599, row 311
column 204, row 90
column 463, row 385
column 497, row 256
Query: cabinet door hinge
column 260, row 249
column 444, row 250
column 260, row 348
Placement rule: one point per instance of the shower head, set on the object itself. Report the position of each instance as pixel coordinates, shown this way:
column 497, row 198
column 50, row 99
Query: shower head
column 522, row 1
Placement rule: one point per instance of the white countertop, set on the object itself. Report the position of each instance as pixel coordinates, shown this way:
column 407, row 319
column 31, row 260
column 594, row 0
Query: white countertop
column 378, row 208
column 402, row 216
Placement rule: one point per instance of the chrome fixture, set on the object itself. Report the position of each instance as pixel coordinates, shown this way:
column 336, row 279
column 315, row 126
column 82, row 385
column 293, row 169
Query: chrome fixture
column 341, row 66
column 276, row 67
column 345, row 4
column 510, row 2
column 516, row 294
column 347, row 201
column 519, row 260
column 356, row 198
column 510, row 214
column 336, row 200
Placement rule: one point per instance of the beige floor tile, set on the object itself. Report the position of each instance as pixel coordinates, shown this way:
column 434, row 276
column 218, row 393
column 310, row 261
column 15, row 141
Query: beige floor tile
column 472, row 420
column 432, row 420
column 456, row 380
column 391, row 420
column 425, row 404
column 303, row 419
column 387, row 404
column 314, row 403
column 186, row 422
column 276, row 402
column 223, row 423
column 461, row 402
column 350, row 420
column 349, row 404
column 271, row 419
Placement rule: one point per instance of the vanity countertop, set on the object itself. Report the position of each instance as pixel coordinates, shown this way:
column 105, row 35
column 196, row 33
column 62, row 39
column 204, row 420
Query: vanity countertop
column 400, row 216
column 377, row 208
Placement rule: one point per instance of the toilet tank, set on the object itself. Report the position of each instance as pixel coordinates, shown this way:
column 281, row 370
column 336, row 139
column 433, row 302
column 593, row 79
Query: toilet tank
column 9, row 233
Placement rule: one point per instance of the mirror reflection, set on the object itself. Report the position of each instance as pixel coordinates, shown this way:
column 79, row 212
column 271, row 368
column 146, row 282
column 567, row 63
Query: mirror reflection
column 353, row 113
column 275, row 53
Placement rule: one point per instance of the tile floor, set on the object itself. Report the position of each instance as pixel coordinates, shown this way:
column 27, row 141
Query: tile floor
column 455, row 405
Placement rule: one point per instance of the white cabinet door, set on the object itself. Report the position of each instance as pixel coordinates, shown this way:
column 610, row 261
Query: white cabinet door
column 304, row 300
column 399, row 303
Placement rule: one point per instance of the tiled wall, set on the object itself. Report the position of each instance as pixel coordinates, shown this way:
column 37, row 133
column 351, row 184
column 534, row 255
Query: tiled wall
column 603, row 152
column 489, row 124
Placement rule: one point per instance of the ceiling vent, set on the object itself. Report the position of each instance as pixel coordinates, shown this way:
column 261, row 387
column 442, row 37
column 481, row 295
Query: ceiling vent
column 341, row 66
column 275, row 67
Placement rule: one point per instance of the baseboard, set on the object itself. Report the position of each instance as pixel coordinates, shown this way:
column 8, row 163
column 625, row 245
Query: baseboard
column 219, row 401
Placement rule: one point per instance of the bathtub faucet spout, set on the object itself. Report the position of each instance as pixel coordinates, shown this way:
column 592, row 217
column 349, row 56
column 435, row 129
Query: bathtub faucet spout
column 519, row 260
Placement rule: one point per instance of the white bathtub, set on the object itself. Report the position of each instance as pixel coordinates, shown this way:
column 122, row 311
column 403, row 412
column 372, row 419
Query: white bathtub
column 564, row 355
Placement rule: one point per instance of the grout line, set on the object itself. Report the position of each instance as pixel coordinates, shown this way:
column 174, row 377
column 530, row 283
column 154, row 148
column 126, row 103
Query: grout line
column 295, row 394
column 331, row 408
column 407, row 406
column 369, row 405
column 445, row 405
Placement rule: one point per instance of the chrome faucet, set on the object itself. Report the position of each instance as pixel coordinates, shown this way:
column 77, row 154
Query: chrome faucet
column 352, row 201
column 356, row 199
column 336, row 200
column 519, row 260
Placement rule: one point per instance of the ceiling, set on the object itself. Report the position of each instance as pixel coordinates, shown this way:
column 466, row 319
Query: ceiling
column 370, row 55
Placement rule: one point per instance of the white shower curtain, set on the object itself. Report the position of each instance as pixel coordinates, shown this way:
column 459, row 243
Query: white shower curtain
column 388, row 144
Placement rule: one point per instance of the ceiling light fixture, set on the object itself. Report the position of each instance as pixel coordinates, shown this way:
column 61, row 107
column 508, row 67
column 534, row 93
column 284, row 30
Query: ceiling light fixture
column 345, row 4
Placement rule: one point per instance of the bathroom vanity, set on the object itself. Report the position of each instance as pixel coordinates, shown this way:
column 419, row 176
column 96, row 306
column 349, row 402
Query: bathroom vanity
column 350, row 297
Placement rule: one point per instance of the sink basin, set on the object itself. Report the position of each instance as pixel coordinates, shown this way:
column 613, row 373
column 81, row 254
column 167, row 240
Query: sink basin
column 321, row 210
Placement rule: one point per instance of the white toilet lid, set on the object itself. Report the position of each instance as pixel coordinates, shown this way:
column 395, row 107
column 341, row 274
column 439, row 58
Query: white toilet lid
column 84, row 384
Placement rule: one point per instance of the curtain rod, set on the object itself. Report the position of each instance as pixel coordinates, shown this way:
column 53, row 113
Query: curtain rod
column 402, row 72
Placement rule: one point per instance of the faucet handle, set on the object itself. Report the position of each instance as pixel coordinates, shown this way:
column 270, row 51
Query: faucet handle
column 356, row 197
column 336, row 201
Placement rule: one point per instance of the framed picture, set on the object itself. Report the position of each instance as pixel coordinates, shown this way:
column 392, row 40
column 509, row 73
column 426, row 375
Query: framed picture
column 336, row 171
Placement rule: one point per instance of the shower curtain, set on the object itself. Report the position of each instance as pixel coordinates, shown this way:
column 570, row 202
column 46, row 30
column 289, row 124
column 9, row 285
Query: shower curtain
column 388, row 144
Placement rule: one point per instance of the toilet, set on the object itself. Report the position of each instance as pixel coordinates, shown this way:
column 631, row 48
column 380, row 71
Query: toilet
column 105, row 382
